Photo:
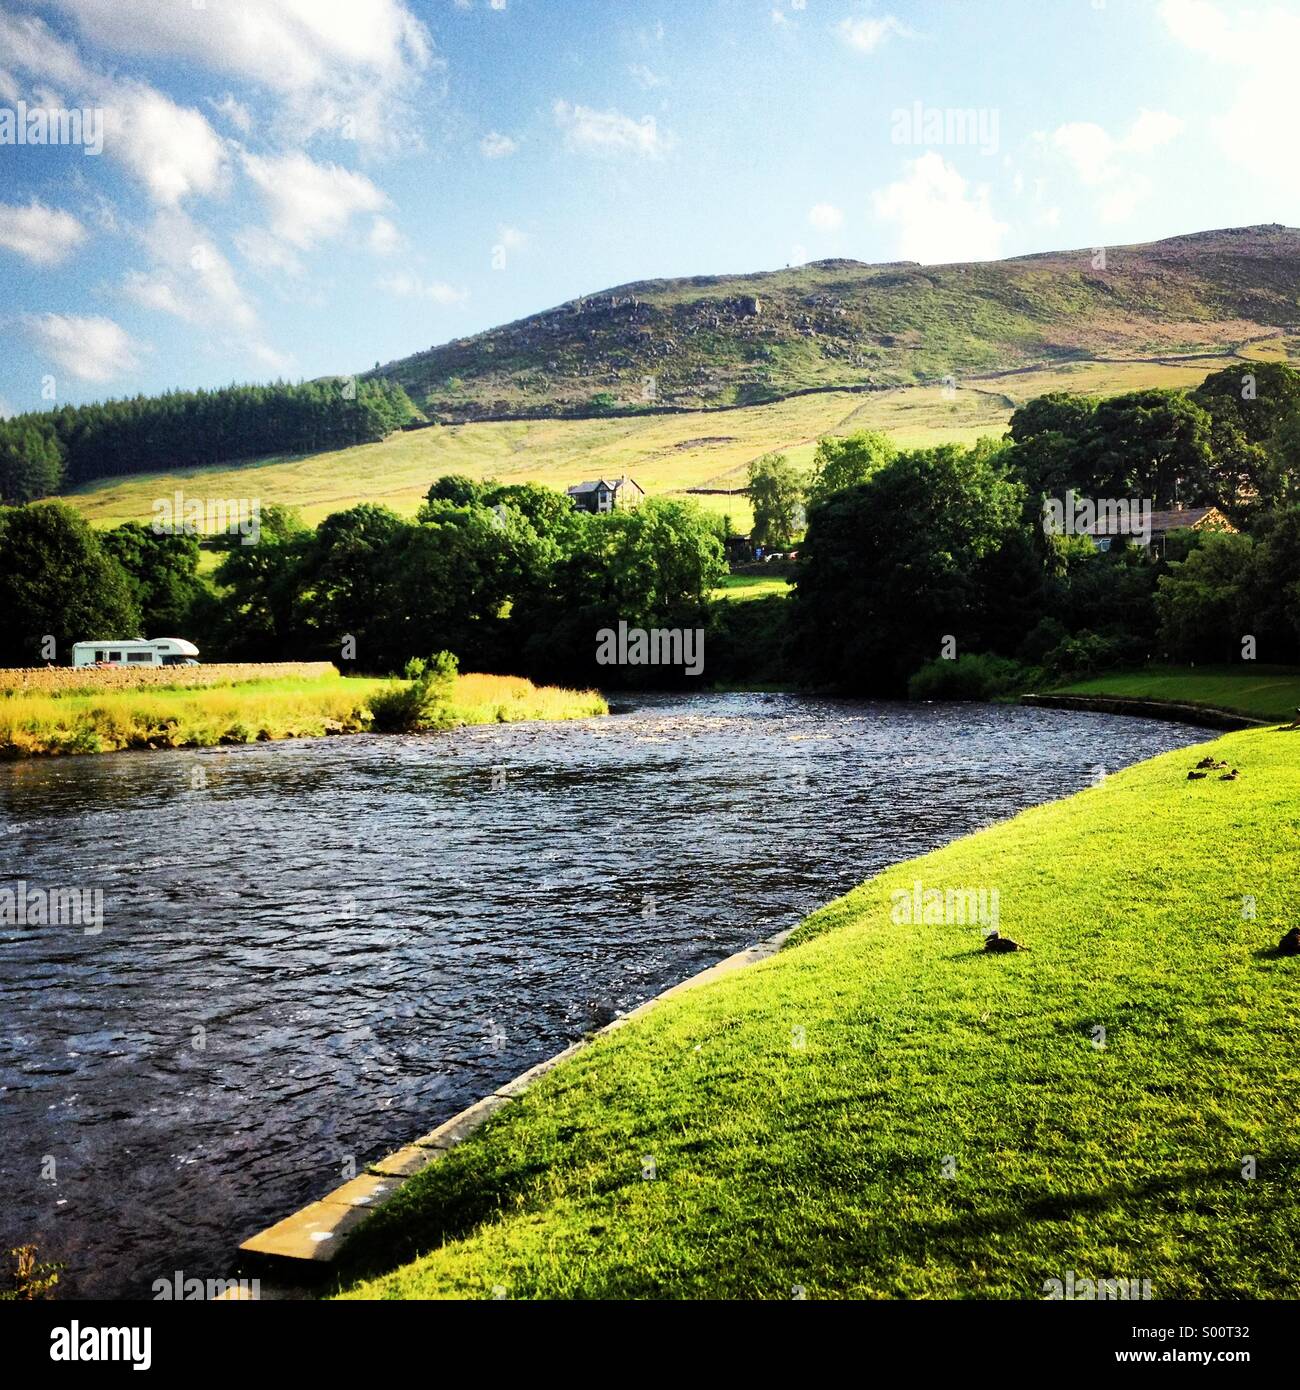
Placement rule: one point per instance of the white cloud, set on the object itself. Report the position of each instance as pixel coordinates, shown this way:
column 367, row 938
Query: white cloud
column 1260, row 51
column 327, row 60
column 90, row 348
column 937, row 216
column 266, row 253
column 405, row 286
column 1097, row 156
column 494, row 145
column 511, row 238
column 646, row 77
column 866, row 35
column 310, row 202
column 609, row 132
column 189, row 277
column 1107, row 164
column 778, row 17
column 826, row 217
column 44, row 236
column 171, row 150
column 235, row 112
column 384, row 239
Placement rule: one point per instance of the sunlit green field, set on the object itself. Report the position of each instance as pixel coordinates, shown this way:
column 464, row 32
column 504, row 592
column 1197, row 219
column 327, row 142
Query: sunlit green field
column 884, row 1110
column 739, row 587
column 250, row 710
column 666, row 454
column 1264, row 692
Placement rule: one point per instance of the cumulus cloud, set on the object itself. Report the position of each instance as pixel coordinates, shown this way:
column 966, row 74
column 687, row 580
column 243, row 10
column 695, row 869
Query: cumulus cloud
column 609, row 132
column 170, row 150
column 309, row 202
column 826, row 217
column 384, row 238
column 1097, row 156
column 938, row 216
column 407, row 286
column 91, row 348
column 1259, row 53
column 42, row 235
column 1110, row 164
column 494, row 145
column 867, row 34
column 326, row 61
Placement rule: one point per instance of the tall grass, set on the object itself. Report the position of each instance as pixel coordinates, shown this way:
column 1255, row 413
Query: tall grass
column 254, row 711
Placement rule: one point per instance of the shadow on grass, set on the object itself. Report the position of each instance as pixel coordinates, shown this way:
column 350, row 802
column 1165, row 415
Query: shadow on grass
column 480, row 1184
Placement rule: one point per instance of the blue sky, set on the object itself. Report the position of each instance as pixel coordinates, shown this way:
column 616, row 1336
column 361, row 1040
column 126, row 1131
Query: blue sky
column 301, row 187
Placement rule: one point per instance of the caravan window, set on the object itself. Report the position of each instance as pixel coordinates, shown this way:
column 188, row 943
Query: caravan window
column 139, row 656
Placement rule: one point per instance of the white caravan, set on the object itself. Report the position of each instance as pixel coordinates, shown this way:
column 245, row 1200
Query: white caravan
column 162, row 651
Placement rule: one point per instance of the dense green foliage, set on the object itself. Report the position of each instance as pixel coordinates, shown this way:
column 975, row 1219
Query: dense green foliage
column 420, row 703
column 509, row 578
column 776, row 495
column 58, row 585
column 41, row 452
column 943, row 553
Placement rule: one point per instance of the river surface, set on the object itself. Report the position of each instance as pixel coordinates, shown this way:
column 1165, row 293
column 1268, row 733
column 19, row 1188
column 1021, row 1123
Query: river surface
column 312, row 952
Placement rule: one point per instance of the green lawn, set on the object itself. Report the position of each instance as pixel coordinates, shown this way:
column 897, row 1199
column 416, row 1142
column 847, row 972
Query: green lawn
column 802, row 1116
column 1265, row 692
column 737, row 587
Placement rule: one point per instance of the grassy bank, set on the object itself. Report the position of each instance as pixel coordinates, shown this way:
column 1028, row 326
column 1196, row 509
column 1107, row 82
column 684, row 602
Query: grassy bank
column 886, row 1110
column 249, row 710
column 1265, row 692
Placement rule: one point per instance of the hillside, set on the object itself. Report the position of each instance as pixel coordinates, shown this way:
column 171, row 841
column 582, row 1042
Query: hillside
column 667, row 453
column 713, row 341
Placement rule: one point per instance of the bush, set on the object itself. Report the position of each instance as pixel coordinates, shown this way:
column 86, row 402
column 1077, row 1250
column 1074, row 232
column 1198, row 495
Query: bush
column 421, row 705
column 1087, row 652
column 976, row 676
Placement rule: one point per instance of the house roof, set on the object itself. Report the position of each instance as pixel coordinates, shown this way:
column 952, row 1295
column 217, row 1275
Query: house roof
column 600, row 482
column 1175, row 519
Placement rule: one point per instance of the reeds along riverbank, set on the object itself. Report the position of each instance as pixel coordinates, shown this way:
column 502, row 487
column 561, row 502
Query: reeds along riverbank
column 246, row 709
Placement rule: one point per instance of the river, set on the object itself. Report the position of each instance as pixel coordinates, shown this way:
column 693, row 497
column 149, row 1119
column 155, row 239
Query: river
column 313, row 951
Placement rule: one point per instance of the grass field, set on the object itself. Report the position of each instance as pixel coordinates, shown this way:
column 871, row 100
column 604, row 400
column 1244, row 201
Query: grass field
column 665, row 453
column 1269, row 692
column 250, row 711
column 885, row 1110
column 739, row 587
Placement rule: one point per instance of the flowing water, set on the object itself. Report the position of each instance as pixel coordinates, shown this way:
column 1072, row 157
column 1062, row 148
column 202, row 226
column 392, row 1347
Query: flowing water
column 312, row 952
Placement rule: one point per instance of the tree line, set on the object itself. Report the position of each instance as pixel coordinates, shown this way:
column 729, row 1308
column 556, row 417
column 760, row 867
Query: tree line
column 44, row 452
column 914, row 557
column 511, row 578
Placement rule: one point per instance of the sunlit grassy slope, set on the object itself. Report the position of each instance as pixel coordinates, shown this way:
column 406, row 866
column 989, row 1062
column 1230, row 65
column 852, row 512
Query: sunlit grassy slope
column 1263, row 692
column 885, row 1110
column 665, row 453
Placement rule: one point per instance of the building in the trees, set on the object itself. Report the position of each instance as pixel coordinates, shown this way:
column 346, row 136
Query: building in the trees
column 1161, row 524
column 602, row 496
